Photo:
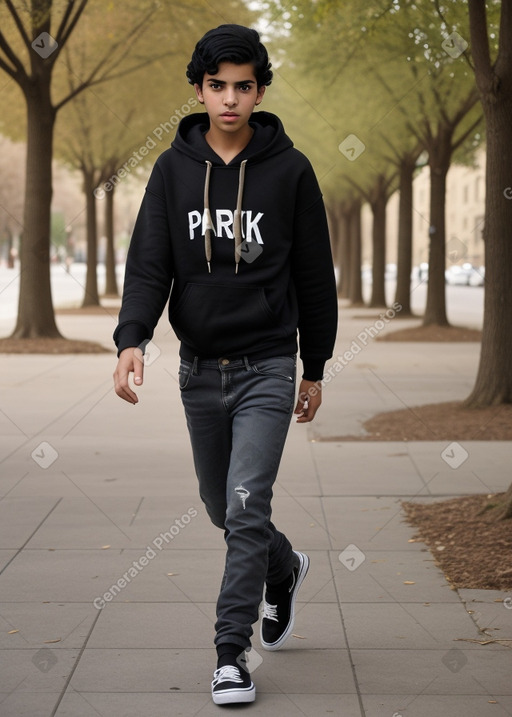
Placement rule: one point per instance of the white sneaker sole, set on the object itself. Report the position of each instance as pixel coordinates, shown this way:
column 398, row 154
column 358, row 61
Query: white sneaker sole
column 231, row 697
column 303, row 570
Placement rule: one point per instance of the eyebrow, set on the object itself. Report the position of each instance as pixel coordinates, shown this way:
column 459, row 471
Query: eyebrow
column 223, row 82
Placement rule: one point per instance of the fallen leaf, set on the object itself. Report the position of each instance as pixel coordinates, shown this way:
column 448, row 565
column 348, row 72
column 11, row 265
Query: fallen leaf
column 105, row 547
column 299, row 637
column 12, row 632
column 50, row 642
column 409, row 582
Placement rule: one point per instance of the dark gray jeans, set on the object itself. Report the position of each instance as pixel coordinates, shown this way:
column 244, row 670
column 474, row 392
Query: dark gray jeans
column 238, row 414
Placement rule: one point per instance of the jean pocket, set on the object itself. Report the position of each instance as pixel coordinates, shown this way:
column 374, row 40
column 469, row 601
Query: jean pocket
column 282, row 367
column 184, row 373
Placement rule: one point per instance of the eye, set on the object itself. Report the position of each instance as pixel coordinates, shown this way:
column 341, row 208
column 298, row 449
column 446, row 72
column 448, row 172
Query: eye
column 245, row 88
column 214, row 85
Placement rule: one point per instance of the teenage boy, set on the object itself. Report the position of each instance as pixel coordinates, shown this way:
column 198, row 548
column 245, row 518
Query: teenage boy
column 233, row 228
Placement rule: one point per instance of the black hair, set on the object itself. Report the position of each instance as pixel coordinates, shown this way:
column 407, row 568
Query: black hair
column 229, row 43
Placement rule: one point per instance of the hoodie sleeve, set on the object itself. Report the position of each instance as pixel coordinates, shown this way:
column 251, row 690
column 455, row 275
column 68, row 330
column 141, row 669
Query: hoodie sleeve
column 149, row 269
column 313, row 276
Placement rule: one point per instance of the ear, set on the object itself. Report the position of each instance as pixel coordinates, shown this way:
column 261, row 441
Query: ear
column 261, row 92
column 199, row 93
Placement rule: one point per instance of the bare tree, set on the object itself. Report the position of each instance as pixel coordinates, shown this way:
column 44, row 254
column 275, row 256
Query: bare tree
column 32, row 68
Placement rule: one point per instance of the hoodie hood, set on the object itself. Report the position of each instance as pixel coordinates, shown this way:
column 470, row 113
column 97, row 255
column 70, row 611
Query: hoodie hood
column 269, row 138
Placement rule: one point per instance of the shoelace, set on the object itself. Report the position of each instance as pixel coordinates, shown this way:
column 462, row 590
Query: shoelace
column 229, row 673
column 270, row 612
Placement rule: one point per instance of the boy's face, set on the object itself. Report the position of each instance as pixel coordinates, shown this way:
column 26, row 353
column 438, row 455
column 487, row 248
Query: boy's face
column 230, row 96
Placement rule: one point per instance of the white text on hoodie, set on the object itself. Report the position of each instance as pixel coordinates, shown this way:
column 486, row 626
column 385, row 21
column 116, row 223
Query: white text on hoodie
column 223, row 226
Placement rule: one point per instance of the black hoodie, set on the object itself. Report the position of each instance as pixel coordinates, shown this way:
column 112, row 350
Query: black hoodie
column 243, row 246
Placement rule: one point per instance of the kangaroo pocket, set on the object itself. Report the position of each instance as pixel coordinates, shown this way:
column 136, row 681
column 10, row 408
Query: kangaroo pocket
column 218, row 320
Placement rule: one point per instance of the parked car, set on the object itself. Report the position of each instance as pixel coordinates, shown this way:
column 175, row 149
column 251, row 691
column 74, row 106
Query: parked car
column 459, row 275
column 477, row 278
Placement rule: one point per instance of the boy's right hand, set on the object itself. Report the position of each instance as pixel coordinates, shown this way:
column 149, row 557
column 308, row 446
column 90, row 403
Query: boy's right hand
column 131, row 360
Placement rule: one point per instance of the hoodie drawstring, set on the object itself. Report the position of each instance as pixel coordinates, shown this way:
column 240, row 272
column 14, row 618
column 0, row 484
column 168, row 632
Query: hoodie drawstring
column 237, row 217
column 208, row 217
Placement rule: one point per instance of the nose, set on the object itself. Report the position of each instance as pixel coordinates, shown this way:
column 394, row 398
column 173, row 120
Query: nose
column 230, row 99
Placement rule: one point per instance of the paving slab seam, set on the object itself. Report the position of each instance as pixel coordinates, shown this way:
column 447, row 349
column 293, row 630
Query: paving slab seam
column 73, row 669
column 30, row 536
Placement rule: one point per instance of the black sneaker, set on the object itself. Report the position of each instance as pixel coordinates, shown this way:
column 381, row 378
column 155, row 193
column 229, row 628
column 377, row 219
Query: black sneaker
column 279, row 607
column 231, row 685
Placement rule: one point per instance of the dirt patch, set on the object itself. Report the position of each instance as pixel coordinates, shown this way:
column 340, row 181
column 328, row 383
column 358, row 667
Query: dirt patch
column 473, row 549
column 437, row 422
column 433, row 333
column 50, row 346
column 442, row 422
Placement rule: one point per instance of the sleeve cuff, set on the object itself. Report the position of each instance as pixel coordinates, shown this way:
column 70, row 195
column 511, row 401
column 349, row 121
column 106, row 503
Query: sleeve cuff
column 313, row 369
column 131, row 335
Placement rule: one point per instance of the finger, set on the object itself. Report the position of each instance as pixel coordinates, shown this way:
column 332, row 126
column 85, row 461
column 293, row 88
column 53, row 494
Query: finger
column 302, row 402
column 122, row 387
column 138, row 366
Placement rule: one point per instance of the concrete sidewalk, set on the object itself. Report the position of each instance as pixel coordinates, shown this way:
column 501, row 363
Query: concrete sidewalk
column 99, row 508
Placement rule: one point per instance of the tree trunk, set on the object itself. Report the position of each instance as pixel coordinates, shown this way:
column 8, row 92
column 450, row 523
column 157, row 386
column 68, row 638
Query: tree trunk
column 440, row 150
column 378, row 205
column 404, row 254
column 91, row 296
column 494, row 379
column 342, row 252
column 110, row 258
column 356, row 284
column 36, row 318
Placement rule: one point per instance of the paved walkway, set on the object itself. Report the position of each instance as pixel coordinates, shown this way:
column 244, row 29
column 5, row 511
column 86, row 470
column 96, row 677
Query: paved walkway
column 99, row 508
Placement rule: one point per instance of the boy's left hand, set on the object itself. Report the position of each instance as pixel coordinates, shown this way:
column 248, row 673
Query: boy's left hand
column 309, row 400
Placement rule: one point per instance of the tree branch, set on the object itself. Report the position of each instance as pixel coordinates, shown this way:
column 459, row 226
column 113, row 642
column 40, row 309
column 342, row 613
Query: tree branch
column 12, row 57
column 19, row 24
column 109, row 65
column 479, row 38
column 64, row 32
column 106, row 77
column 502, row 64
column 467, row 133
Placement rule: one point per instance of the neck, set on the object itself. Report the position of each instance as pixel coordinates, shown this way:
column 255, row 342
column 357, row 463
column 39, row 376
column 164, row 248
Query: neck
column 228, row 145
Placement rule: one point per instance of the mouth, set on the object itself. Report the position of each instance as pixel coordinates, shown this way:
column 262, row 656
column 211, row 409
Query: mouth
column 229, row 115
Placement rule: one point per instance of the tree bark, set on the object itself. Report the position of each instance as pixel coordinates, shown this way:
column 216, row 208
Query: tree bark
column 356, row 284
column 440, row 151
column 378, row 204
column 36, row 316
column 91, row 295
column 493, row 384
column 404, row 254
column 110, row 257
